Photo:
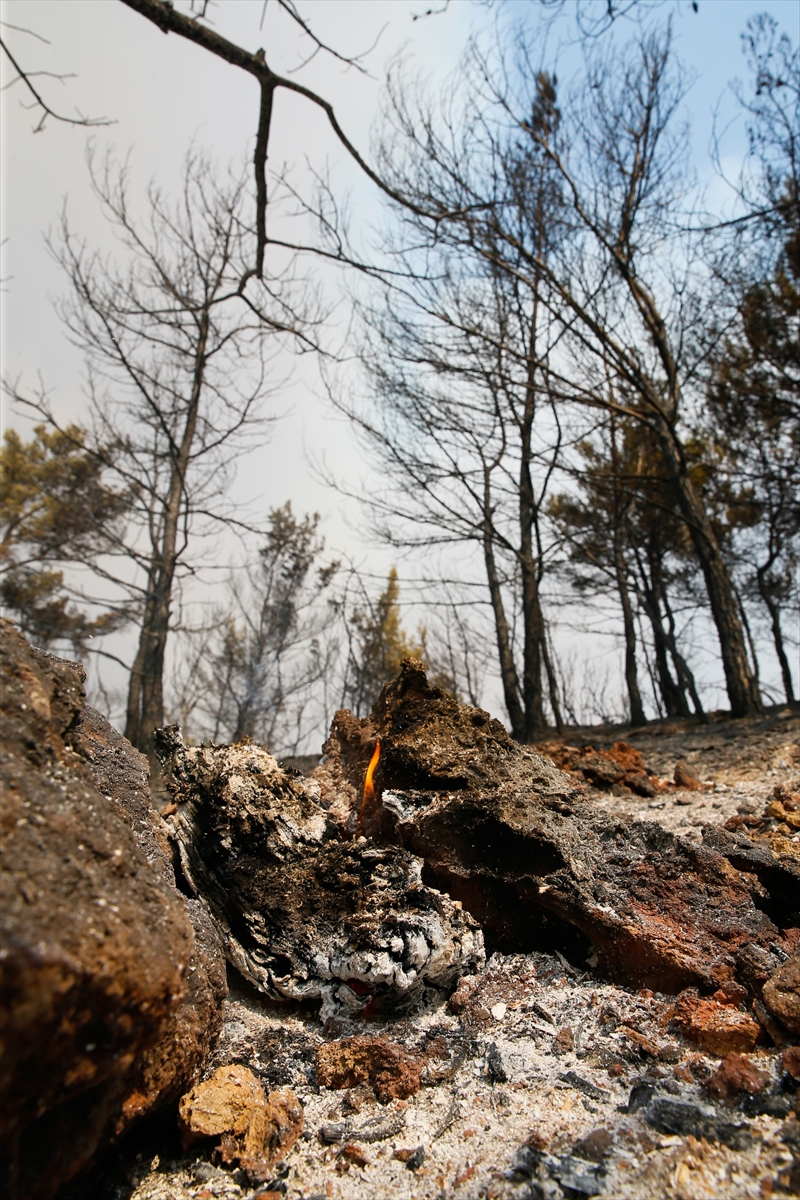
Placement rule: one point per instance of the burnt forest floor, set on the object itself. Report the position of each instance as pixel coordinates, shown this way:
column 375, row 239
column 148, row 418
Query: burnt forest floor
column 739, row 762
column 537, row 1079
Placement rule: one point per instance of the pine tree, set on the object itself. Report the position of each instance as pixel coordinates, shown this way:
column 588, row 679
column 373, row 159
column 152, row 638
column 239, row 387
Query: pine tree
column 382, row 644
column 54, row 508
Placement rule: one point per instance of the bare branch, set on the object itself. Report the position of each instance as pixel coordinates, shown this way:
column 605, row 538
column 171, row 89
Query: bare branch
column 26, row 77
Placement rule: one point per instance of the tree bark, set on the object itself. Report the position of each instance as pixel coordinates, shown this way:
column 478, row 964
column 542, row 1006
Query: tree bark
column 742, row 688
column 533, row 700
column 552, row 683
column 508, row 671
column 684, row 672
column 146, row 688
column 672, row 693
column 631, row 678
column 777, row 637
column 621, row 572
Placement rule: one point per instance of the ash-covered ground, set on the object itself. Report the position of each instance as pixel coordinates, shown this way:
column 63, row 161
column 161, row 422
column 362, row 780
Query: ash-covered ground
column 539, row 1079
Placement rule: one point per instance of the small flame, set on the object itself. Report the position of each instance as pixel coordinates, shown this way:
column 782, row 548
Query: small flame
column 369, row 786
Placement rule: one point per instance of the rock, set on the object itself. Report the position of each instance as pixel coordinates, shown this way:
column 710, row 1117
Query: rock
column 256, row 1130
column 577, row 1175
column 717, row 1028
column 495, row 1067
column 685, row 779
column 781, row 993
column 303, row 914
column 509, row 836
column 564, row 1041
column 122, row 775
column 779, row 875
column 172, row 1065
column 174, row 1062
column 351, row 1155
column 683, row 1117
column 413, row 1158
column 594, row 1146
column 622, row 766
column 461, row 997
column 95, row 944
column 640, row 1096
column 388, row 1068
column 736, row 1076
column 790, row 1062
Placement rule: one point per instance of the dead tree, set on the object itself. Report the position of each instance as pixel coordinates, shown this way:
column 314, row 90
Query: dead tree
column 619, row 289
column 177, row 368
column 273, row 643
column 460, row 416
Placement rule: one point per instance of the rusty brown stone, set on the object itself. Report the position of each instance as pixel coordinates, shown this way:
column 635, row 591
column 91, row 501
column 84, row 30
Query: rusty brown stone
column 255, row 1130
column 90, row 984
column 685, row 779
column 595, row 1145
column 790, row 1062
column 461, row 997
column 390, row 1070
column 717, row 1028
column 351, row 1155
column 621, row 765
column 564, row 1041
column 735, row 1076
column 781, row 993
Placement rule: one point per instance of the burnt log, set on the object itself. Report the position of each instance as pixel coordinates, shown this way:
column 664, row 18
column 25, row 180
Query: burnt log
column 511, row 837
column 303, row 913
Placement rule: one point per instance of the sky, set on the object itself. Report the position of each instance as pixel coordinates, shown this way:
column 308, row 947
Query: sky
column 164, row 94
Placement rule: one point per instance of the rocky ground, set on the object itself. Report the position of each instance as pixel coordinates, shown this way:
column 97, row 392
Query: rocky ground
column 739, row 762
column 536, row 1078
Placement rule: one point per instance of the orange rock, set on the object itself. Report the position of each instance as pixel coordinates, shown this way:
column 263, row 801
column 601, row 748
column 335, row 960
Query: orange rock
column 717, row 1028
column 685, row 779
column 564, row 1041
column 351, row 1155
column 390, row 1070
column 736, row 1074
column 790, row 1062
column 782, row 993
column 255, row 1129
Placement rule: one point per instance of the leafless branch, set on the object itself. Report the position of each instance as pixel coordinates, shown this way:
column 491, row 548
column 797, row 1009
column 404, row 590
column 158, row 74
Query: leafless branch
column 26, row 78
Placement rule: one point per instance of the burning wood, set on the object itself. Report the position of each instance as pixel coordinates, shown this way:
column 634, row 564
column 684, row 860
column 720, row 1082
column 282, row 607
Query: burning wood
column 305, row 914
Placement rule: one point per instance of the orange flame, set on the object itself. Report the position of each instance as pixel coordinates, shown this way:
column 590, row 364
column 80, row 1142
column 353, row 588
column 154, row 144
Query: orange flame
column 369, row 786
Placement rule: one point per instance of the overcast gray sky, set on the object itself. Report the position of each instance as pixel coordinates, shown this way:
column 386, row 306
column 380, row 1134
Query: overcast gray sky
column 163, row 93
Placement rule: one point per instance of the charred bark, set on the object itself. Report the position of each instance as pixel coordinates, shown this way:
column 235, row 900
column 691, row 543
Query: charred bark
column 777, row 636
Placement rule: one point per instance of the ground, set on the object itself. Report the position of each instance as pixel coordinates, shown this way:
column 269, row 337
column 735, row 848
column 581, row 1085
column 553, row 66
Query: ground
column 535, row 1081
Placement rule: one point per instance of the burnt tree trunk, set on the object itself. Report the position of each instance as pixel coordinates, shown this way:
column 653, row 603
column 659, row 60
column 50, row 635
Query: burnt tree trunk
column 533, row 699
column 741, row 684
column 508, row 670
column 683, row 671
column 672, row 692
column 145, row 708
column 621, row 506
column 777, row 633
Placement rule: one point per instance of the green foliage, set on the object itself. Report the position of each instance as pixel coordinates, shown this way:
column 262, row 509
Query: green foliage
column 54, row 507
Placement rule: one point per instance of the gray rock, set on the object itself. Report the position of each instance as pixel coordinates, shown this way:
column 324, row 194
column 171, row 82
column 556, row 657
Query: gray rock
column 684, row 1117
